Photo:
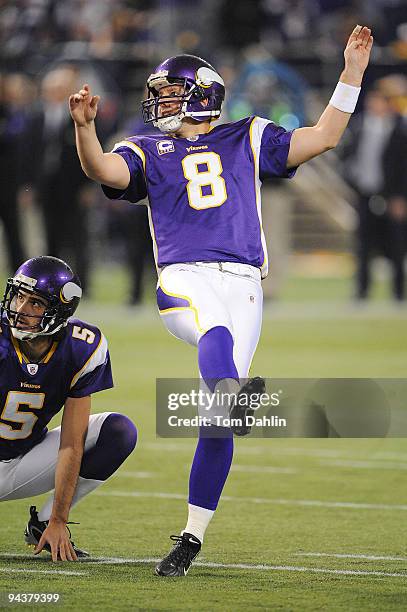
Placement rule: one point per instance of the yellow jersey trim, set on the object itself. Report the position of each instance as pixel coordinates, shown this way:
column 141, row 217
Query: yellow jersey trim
column 50, row 353
column 78, row 374
column 137, row 150
column 265, row 262
column 24, row 359
column 18, row 350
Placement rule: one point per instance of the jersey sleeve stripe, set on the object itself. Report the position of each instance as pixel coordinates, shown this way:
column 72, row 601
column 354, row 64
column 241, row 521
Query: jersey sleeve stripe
column 257, row 127
column 152, row 231
column 136, row 149
column 97, row 358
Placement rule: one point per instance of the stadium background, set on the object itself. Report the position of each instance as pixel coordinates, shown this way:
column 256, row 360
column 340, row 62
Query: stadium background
column 325, row 518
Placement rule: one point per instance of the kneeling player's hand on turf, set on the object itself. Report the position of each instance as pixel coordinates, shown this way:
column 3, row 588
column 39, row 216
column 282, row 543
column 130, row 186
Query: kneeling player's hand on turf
column 357, row 53
column 56, row 535
column 83, row 106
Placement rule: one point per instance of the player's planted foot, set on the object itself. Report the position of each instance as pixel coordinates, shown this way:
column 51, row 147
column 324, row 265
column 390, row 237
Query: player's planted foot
column 179, row 559
column 241, row 408
column 35, row 528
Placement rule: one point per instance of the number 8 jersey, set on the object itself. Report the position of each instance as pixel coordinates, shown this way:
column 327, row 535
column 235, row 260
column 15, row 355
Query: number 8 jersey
column 204, row 192
column 76, row 365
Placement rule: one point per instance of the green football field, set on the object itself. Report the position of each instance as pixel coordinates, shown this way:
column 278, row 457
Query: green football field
column 304, row 524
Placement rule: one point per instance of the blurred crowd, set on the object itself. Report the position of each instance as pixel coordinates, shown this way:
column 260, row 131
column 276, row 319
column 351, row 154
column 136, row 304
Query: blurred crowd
column 279, row 58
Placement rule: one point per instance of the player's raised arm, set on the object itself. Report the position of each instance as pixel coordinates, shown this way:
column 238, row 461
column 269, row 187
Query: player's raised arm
column 311, row 141
column 107, row 168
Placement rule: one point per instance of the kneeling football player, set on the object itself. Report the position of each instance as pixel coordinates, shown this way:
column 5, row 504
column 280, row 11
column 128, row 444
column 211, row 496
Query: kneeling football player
column 49, row 362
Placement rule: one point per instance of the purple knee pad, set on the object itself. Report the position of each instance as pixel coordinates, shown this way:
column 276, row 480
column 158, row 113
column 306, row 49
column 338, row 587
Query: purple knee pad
column 117, row 439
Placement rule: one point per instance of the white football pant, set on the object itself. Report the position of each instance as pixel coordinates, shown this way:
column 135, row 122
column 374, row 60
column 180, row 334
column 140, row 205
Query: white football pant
column 34, row 473
column 200, row 296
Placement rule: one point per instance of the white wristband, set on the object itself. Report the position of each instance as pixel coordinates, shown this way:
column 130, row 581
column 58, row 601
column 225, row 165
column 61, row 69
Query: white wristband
column 345, row 97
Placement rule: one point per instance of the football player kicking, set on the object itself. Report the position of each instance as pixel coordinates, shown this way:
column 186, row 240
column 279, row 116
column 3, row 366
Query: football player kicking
column 48, row 362
column 203, row 185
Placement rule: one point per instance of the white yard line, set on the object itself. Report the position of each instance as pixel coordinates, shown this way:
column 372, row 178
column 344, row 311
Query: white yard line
column 245, row 566
column 12, row 570
column 370, row 464
column 262, row 469
column 308, row 452
column 127, row 474
column 293, row 568
column 163, row 445
column 132, row 318
column 326, row 310
column 248, row 566
column 250, row 469
column 270, row 451
column 260, row 500
column 390, row 455
column 351, row 556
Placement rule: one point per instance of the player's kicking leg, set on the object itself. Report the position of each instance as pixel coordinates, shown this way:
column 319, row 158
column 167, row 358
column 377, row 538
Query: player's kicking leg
column 214, row 451
column 110, row 439
column 223, row 359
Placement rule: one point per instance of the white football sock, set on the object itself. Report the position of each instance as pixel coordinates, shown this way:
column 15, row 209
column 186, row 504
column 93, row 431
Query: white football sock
column 83, row 487
column 198, row 520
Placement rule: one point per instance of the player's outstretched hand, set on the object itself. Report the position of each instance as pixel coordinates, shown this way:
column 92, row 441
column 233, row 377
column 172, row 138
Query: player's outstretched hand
column 56, row 535
column 357, row 51
column 83, row 106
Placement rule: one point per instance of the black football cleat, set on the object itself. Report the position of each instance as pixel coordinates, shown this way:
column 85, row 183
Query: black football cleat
column 241, row 410
column 35, row 528
column 179, row 559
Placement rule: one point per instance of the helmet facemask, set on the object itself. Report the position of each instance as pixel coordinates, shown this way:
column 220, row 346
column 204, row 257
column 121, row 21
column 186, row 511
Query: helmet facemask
column 153, row 107
column 49, row 322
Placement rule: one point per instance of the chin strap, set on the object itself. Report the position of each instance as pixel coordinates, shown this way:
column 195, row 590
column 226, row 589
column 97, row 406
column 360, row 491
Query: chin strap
column 26, row 335
column 169, row 124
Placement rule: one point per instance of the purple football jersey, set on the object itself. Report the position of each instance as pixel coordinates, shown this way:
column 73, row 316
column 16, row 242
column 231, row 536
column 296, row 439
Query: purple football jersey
column 31, row 394
column 204, row 193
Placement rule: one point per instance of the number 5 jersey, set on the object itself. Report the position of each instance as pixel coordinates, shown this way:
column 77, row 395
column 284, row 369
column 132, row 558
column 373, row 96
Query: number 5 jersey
column 204, row 192
column 76, row 365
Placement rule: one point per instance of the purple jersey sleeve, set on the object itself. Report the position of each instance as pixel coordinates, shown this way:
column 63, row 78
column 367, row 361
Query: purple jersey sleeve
column 92, row 368
column 275, row 145
column 98, row 379
column 136, row 189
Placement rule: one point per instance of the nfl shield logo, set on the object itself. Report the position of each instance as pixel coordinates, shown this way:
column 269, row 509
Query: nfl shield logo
column 165, row 146
column 32, row 368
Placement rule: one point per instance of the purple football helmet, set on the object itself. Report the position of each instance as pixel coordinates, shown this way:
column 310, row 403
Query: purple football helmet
column 200, row 82
column 53, row 281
